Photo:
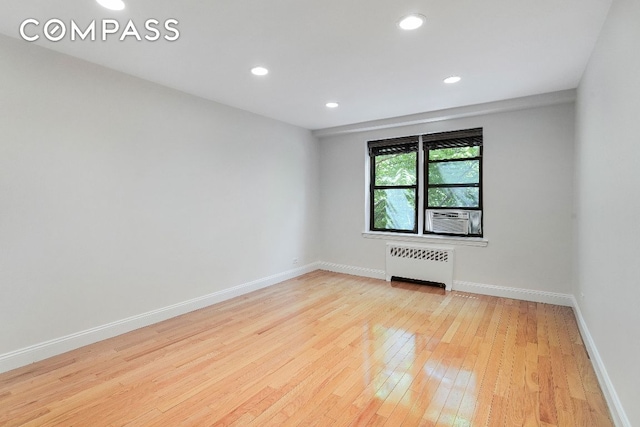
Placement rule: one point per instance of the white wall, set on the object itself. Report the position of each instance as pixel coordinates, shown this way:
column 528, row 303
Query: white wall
column 118, row 196
column 528, row 179
column 608, row 201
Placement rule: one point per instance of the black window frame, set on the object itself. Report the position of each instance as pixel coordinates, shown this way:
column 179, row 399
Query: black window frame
column 453, row 139
column 423, row 145
column 385, row 147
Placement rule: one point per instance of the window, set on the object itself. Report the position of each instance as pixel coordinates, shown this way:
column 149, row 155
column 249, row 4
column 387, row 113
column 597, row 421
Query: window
column 453, row 183
column 394, row 185
column 450, row 182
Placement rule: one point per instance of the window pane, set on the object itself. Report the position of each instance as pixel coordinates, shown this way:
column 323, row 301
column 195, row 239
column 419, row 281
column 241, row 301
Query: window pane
column 394, row 209
column 458, row 197
column 454, row 153
column 396, row 169
column 461, row 172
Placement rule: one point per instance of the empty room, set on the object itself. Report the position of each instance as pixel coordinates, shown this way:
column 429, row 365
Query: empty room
column 306, row 213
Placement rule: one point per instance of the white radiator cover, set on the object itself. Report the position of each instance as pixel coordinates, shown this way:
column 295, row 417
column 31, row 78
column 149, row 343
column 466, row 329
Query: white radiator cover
column 420, row 262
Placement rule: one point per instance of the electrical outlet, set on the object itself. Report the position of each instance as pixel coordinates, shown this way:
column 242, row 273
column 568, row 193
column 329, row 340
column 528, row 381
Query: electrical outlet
column 295, row 261
column 582, row 295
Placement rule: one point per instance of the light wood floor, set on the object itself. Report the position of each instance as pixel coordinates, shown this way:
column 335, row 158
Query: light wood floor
column 327, row 350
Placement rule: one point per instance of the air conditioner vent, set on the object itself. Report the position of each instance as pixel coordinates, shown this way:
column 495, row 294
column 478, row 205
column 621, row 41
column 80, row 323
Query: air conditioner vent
column 453, row 221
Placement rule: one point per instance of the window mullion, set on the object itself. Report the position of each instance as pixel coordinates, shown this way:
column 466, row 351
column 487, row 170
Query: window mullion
column 463, row 159
column 469, row 184
column 391, row 187
column 421, row 191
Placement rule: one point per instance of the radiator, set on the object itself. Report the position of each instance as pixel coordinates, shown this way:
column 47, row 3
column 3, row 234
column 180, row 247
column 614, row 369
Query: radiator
column 420, row 262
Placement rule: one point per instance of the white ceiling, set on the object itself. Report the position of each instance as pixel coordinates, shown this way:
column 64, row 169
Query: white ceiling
column 349, row 51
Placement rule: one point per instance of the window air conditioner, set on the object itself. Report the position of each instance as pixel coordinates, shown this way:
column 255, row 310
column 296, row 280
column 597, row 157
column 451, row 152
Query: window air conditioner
column 452, row 222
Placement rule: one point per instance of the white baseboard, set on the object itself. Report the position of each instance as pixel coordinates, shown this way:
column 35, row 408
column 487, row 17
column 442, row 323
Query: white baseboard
column 354, row 271
column 618, row 414
column 514, row 293
column 41, row 351
column 458, row 285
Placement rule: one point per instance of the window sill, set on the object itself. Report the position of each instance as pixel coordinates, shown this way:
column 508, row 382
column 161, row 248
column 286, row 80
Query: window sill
column 447, row 240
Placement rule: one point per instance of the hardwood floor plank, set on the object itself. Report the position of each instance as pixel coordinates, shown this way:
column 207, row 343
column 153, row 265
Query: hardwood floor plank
column 495, row 339
column 548, row 411
column 470, row 396
column 446, row 401
column 325, row 349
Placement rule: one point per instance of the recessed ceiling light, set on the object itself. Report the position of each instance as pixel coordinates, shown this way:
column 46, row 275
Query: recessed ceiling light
column 332, row 105
column 412, row 22
column 112, row 4
column 452, row 79
column 259, row 71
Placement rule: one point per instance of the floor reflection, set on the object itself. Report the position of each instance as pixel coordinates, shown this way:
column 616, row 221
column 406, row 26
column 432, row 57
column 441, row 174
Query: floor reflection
column 409, row 369
column 397, row 361
column 389, row 362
